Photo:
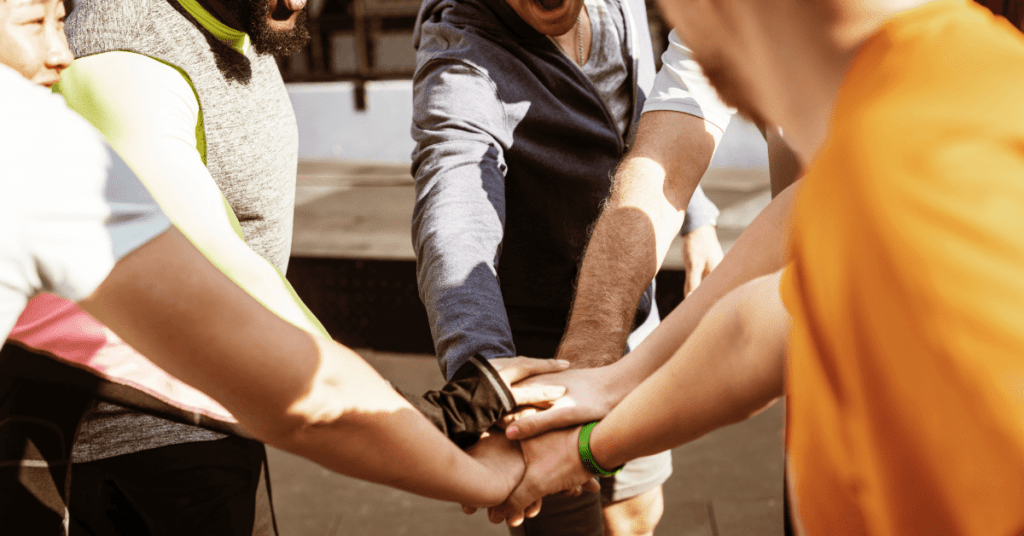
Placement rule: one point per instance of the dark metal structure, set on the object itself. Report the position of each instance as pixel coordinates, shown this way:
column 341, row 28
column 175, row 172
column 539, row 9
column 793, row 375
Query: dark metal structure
column 1013, row 10
column 362, row 40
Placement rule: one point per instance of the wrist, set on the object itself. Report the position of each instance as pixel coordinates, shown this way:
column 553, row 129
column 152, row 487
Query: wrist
column 589, row 355
column 599, row 448
column 587, row 455
column 617, row 380
column 595, row 342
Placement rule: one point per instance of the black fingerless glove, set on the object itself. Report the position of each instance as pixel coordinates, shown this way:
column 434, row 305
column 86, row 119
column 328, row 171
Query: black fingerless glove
column 470, row 403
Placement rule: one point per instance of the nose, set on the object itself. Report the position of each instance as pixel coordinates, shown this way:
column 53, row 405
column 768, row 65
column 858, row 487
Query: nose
column 58, row 54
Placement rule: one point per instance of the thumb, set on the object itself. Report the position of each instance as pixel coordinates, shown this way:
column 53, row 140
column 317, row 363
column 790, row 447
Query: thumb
column 522, row 498
column 543, row 421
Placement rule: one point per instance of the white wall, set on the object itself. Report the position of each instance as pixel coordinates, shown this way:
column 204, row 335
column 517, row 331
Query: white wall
column 330, row 128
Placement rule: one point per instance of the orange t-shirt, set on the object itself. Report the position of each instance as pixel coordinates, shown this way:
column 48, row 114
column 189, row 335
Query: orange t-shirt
column 906, row 369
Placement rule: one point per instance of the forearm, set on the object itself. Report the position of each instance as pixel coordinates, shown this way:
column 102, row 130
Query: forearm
column 355, row 424
column 631, row 238
column 300, row 392
column 732, row 366
column 761, row 249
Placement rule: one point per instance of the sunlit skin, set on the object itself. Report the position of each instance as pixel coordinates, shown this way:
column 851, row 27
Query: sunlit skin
column 281, row 18
column 32, row 39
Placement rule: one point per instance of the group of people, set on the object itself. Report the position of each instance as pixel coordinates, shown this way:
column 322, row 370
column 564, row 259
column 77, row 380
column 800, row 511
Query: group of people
column 149, row 153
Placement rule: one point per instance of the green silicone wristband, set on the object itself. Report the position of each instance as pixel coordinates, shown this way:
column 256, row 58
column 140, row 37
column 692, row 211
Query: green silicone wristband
column 588, row 459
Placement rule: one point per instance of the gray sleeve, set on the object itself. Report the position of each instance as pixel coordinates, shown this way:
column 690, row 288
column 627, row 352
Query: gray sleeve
column 700, row 212
column 458, row 223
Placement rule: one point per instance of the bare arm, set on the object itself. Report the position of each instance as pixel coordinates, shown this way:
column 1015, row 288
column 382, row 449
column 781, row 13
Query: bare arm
column 760, row 250
column 294, row 390
column 729, row 369
column 652, row 187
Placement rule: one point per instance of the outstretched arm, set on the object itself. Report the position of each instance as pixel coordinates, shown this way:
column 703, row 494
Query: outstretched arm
column 652, row 187
column 732, row 367
column 683, row 122
column 729, row 369
column 760, row 250
column 294, row 390
column 458, row 222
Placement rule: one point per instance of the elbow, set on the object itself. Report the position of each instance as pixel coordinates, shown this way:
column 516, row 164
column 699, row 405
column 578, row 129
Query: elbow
column 759, row 336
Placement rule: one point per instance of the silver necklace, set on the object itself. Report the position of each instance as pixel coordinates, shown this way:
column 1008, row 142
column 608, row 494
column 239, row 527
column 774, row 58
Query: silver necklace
column 579, row 37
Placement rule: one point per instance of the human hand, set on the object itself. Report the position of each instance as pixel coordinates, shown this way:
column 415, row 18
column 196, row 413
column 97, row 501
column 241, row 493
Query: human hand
column 501, row 458
column 513, row 370
column 552, row 464
column 590, row 395
column 701, row 253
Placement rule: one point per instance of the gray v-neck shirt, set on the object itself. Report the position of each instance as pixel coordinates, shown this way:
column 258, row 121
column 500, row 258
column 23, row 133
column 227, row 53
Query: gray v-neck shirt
column 606, row 65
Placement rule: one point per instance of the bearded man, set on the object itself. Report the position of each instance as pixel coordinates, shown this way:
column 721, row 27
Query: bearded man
column 189, row 94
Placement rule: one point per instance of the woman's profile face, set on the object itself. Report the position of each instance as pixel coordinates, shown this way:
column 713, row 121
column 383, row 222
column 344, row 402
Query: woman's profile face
column 32, row 39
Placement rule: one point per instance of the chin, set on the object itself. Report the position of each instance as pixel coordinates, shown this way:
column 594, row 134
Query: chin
column 554, row 30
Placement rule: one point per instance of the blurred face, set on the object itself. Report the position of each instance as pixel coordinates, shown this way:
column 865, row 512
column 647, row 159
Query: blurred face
column 702, row 28
column 32, row 39
column 549, row 17
column 276, row 27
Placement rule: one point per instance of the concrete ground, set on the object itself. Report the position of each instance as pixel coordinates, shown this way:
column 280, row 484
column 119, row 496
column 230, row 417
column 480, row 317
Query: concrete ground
column 726, row 483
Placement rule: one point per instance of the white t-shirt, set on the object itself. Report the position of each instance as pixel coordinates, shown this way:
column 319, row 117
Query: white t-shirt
column 681, row 86
column 69, row 208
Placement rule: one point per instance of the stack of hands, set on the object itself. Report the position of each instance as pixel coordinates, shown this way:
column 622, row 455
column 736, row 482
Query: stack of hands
column 537, row 452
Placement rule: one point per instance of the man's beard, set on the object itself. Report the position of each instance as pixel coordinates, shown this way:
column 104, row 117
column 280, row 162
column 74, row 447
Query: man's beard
column 730, row 90
column 267, row 41
column 254, row 15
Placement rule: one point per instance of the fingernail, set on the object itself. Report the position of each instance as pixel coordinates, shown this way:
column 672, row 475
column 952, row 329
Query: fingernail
column 512, row 432
column 553, row 390
column 562, row 362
